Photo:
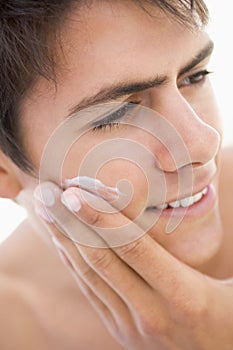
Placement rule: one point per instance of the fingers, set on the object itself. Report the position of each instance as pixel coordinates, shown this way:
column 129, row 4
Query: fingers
column 137, row 286
column 99, row 302
column 88, row 261
column 161, row 271
column 94, row 186
column 113, row 227
column 104, row 262
column 93, row 211
column 50, row 207
column 110, row 307
column 104, row 273
column 95, row 290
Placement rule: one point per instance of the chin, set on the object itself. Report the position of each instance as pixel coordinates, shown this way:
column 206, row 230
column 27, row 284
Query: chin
column 194, row 244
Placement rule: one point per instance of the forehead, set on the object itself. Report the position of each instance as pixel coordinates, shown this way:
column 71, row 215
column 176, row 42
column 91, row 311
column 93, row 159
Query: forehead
column 121, row 34
column 109, row 43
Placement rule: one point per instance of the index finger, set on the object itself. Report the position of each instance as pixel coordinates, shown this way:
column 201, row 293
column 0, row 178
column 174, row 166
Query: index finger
column 162, row 271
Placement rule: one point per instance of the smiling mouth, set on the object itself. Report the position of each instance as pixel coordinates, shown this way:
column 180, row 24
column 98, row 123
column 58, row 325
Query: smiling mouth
column 182, row 203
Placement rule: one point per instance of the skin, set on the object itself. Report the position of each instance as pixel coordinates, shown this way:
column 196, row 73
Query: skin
column 58, row 105
column 200, row 245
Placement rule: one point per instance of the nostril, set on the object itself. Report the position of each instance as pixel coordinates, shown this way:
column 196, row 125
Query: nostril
column 183, row 137
column 197, row 147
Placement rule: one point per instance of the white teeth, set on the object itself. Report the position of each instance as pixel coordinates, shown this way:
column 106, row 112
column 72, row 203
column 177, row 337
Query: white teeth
column 197, row 197
column 185, row 202
column 162, row 206
column 205, row 190
column 175, row 204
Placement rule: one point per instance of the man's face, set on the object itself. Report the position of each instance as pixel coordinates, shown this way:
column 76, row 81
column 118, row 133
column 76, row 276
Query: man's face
column 163, row 65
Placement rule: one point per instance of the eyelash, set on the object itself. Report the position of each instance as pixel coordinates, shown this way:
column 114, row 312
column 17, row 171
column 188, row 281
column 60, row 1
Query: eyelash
column 201, row 74
column 110, row 120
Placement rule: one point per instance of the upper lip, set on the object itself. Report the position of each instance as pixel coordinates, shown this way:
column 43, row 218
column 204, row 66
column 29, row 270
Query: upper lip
column 206, row 179
column 188, row 194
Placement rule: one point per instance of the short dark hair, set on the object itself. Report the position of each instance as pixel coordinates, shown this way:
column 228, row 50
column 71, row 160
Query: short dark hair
column 28, row 37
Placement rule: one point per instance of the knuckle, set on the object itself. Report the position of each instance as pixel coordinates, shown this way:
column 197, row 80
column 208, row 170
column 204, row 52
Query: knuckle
column 135, row 248
column 94, row 219
column 92, row 212
column 87, row 273
column 191, row 310
column 196, row 312
column 127, row 332
column 153, row 327
column 100, row 260
column 91, row 278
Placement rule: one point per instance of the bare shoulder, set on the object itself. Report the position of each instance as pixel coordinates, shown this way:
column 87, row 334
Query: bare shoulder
column 21, row 325
column 20, row 328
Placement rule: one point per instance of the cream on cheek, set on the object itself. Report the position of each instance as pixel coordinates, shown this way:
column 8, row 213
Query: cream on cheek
column 86, row 159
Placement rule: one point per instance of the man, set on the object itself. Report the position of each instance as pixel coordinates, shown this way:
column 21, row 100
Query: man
column 149, row 290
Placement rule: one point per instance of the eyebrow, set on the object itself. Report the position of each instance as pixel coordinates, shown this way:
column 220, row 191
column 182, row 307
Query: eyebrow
column 122, row 89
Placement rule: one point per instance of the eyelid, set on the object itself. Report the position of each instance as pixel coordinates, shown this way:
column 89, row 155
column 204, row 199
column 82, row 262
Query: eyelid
column 115, row 115
column 201, row 71
column 199, row 67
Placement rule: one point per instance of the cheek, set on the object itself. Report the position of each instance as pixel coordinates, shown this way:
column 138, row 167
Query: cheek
column 131, row 180
column 86, row 158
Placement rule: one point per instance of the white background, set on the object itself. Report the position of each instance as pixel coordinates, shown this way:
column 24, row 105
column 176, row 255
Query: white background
column 220, row 29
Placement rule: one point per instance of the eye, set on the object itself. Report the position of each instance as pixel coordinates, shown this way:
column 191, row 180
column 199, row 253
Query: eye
column 113, row 118
column 194, row 79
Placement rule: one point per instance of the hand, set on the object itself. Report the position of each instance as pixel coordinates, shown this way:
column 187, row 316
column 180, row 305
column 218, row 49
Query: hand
column 147, row 298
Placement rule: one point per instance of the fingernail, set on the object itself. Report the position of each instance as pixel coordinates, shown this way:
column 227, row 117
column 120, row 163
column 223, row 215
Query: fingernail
column 71, row 201
column 45, row 195
column 43, row 214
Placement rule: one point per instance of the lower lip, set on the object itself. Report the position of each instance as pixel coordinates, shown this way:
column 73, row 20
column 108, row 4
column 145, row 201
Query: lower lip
column 202, row 207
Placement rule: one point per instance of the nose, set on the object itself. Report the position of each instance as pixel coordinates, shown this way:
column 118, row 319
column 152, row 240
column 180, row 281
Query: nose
column 185, row 138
